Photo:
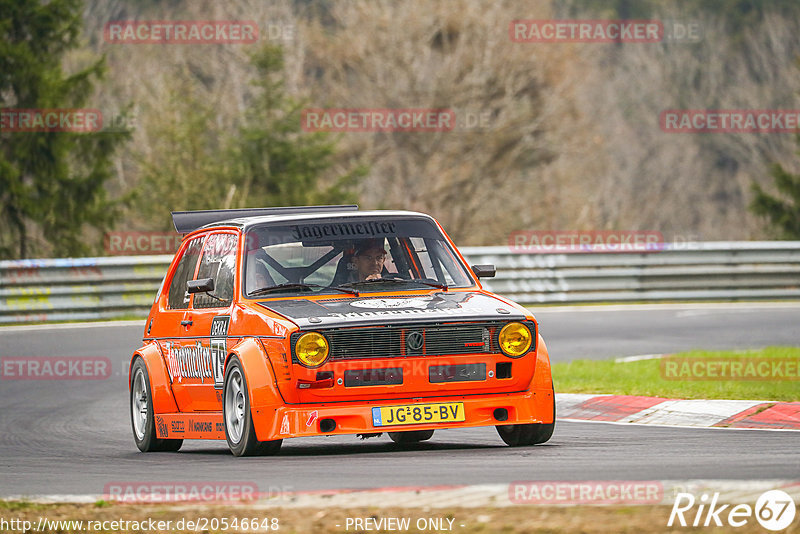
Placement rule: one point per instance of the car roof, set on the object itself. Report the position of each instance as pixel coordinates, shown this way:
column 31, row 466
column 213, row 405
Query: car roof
column 184, row 220
column 247, row 222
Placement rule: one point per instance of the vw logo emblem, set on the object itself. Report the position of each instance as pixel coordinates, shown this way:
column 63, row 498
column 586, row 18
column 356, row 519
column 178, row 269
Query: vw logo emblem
column 414, row 340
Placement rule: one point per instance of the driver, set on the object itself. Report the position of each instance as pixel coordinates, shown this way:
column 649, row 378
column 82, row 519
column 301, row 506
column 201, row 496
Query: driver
column 368, row 259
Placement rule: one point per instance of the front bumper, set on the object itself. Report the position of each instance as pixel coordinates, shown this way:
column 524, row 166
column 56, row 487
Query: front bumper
column 290, row 421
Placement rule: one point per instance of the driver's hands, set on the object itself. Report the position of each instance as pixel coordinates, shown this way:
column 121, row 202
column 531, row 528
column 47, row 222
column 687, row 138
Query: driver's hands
column 375, row 276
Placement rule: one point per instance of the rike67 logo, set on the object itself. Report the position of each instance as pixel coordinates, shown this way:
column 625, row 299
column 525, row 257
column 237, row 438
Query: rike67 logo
column 774, row 510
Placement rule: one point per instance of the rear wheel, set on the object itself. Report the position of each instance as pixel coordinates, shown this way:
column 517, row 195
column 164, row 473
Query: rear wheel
column 529, row 434
column 142, row 419
column 412, row 436
column 239, row 430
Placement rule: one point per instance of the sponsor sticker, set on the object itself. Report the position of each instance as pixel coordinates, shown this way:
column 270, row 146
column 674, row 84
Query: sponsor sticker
column 285, row 425
column 190, row 361
column 219, row 347
column 200, row 426
column 383, row 304
column 312, row 418
column 162, row 430
column 344, row 229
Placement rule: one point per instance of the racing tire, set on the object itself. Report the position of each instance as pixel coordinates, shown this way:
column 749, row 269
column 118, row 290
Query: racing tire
column 527, row 434
column 237, row 417
column 411, row 436
column 142, row 418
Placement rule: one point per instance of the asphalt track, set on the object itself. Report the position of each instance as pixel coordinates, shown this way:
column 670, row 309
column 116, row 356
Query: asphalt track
column 74, row 437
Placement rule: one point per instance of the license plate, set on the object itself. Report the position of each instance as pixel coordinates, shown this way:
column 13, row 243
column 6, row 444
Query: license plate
column 412, row 414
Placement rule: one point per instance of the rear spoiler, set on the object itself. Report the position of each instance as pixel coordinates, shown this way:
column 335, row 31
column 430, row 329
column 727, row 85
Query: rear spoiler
column 188, row 221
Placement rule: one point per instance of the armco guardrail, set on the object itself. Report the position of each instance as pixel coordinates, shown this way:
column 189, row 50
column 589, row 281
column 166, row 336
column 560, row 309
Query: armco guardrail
column 80, row 288
column 693, row 271
column 96, row 288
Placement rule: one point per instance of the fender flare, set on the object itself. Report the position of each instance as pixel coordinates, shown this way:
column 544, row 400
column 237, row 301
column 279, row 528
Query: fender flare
column 265, row 398
column 542, row 374
column 162, row 399
column 541, row 386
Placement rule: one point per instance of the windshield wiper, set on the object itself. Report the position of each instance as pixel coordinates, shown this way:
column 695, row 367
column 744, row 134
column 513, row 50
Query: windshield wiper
column 396, row 280
column 298, row 285
column 432, row 284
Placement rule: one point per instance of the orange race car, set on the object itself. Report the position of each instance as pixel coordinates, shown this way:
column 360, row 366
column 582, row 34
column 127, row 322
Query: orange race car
column 276, row 323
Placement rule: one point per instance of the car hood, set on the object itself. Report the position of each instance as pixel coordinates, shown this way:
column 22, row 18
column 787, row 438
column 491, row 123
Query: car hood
column 337, row 312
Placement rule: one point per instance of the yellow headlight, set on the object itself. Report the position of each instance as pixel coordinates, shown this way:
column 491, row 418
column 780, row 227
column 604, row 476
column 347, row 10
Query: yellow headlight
column 515, row 339
column 312, row 349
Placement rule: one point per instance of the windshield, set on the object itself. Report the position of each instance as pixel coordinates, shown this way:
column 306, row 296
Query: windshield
column 356, row 254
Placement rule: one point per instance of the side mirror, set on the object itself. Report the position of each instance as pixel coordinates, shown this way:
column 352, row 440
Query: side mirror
column 204, row 285
column 484, row 271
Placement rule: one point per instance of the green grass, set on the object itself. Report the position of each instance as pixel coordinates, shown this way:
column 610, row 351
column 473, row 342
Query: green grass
column 645, row 378
column 16, row 506
column 632, row 303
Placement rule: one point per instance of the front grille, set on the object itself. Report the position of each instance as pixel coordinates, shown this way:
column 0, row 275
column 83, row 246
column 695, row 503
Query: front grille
column 413, row 340
column 399, row 340
column 364, row 343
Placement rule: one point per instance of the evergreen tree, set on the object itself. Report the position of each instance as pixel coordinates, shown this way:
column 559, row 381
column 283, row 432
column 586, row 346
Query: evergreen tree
column 275, row 163
column 266, row 160
column 783, row 211
column 51, row 183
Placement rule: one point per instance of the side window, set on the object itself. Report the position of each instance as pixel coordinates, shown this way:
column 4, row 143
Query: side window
column 178, row 298
column 218, row 262
column 437, row 262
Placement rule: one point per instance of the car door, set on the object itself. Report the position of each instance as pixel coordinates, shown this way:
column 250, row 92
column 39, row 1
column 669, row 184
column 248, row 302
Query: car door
column 169, row 323
column 206, row 337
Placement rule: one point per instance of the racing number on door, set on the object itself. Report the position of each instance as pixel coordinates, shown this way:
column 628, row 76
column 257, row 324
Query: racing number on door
column 219, row 347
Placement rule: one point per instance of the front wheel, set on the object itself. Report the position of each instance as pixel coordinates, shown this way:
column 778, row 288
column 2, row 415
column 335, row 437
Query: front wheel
column 239, row 430
column 528, row 434
column 142, row 419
